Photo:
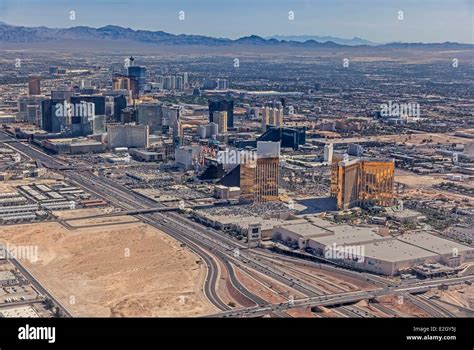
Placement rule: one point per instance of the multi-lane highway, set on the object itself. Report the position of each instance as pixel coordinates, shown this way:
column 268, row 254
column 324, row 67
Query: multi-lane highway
column 179, row 228
column 127, row 202
column 219, row 251
column 345, row 298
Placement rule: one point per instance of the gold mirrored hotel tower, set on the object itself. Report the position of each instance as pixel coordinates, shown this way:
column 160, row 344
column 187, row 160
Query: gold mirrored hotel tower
column 259, row 180
column 362, row 182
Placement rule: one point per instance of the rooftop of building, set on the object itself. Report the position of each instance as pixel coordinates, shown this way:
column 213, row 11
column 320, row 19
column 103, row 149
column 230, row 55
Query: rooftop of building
column 346, row 234
column 144, row 152
column 306, row 229
column 74, row 141
column 393, row 250
column 434, row 243
column 327, row 233
column 21, row 311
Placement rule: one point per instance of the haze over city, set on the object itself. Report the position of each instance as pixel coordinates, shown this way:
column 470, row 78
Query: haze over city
column 373, row 20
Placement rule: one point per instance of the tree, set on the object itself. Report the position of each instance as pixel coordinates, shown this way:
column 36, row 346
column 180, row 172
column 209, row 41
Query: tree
column 48, row 304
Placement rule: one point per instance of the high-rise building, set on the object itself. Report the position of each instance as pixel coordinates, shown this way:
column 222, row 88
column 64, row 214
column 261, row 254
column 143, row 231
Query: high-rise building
column 160, row 80
column 179, row 83
column 70, row 119
column 359, row 182
column 171, row 114
column 24, row 104
column 275, row 116
column 128, row 115
column 208, row 130
column 151, row 114
column 248, row 182
column 222, row 84
column 97, row 100
column 34, row 85
column 209, row 84
column 129, row 83
column 120, row 82
column 220, row 118
column 51, row 122
column 292, row 137
column 173, row 82
column 265, row 118
column 222, row 105
column 130, row 136
column 120, row 103
column 139, row 73
column 33, row 114
column 186, row 80
column 167, row 83
column 259, row 180
column 62, row 93
column 99, row 124
column 328, row 152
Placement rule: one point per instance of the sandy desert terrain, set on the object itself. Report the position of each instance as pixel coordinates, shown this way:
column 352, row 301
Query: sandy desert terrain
column 120, row 270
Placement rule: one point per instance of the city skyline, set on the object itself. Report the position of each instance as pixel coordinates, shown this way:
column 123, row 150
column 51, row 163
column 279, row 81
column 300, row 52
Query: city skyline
column 366, row 19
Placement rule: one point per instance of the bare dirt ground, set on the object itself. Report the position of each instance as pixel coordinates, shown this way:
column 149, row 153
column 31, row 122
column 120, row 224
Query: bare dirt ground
column 417, row 181
column 301, row 312
column 103, row 221
column 226, row 294
column 120, row 270
column 460, row 295
column 417, row 139
column 79, row 213
column 403, row 306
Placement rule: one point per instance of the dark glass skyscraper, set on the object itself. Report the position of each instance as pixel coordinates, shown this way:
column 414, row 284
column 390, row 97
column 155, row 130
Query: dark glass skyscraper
column 98, row 101
column 51, row 122
column 120, row 102
column 139, row 73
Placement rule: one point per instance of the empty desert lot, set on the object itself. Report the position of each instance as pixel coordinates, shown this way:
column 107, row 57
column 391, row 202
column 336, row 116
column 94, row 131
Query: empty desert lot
column 120, row 270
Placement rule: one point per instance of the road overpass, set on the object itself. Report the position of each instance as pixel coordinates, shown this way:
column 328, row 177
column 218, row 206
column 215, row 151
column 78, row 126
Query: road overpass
column 345, row 298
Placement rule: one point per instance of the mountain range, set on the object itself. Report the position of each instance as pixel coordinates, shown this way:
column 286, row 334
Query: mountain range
column 20, row 34
column 341, row 41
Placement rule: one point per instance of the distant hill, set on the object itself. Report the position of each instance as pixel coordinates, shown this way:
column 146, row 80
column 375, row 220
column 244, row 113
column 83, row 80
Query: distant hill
column 322, row 39
column 110, row 33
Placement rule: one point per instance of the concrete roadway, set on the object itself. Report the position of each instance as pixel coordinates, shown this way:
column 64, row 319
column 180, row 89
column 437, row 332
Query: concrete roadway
column 345, row 298
column 115, row 195
column 212, row 271
column 36, row 284
column 198, row 237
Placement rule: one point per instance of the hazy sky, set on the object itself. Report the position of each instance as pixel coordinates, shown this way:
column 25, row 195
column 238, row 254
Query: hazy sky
column 375, row 20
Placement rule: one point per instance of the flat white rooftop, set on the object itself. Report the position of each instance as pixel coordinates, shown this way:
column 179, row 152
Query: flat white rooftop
column 433, row 243
column 305, row 229
column 393, row 250
column 21, row 311
column 345, row 234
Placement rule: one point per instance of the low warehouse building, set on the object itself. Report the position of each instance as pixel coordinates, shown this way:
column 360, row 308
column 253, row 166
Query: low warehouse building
column 451, row 254
column 362, row 248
